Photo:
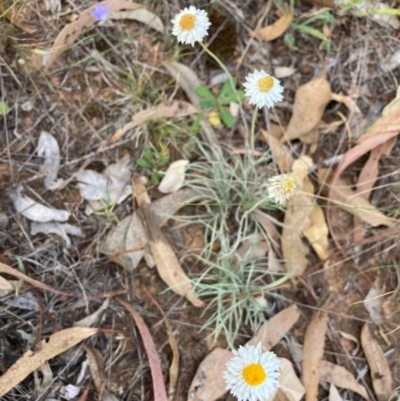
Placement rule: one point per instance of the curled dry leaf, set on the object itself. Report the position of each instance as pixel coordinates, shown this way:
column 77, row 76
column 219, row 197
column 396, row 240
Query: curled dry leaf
column 60, row 229
column 309, row 105
column 284, row 72
column 49, row 149
column 177, row 109
column 167, row 263
column 209, row 383
column 35, row 211
column 380, row 372
column 68, row 35
column 160, row 393
column 174, row 177
column 49, row 348
column 313, row 351
column 188, row 81
column 349, row 338
column 341, row 377
column 6, row 287
column 345, row 197
column 277, row 29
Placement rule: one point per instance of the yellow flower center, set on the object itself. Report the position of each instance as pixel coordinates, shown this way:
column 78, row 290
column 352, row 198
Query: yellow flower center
column 254, row 374
column 265, row 84
column 187, row 22
column 289, row 185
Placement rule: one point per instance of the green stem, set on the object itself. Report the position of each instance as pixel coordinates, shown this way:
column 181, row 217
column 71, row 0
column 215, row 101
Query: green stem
column 252, row 129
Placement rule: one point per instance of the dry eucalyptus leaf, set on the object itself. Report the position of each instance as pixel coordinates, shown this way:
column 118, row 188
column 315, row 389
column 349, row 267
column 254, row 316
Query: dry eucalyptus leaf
column 282, row 155
column 167, row 263
column 208, row 382
column 313, row 351
column 380, row 372
column 142, row 15
column 291, row 387
column 334, row 394
column 341, row 194
column 277, row 29
column 341, row 377
column 6, row 287
column 177, row 109
column 174, row 178
column 272, row 331
column 188, row 81
column 309, row 105
column 70, row 33
column 60, row 229
column 284, row 72
column 94, row 317
column 49, row 149
column 35, row 211
column 373, row 302
column 50, row 347
column 127, row 243
column 111, row 186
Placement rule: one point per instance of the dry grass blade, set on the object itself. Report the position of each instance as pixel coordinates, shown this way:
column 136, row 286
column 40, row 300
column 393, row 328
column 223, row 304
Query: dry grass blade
column 160, row 393
column 68, row 35
column 313, row 352
column 177, row 109
column 341, row 377
column 277, row 29
column 272, row 331
column 208, row 383
column 309, row 105
column 167, row 263
column 49, row 348
column 380, row 372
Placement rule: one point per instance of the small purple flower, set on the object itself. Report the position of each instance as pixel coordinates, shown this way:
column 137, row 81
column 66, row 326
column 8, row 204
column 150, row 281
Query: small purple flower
column 100, row 12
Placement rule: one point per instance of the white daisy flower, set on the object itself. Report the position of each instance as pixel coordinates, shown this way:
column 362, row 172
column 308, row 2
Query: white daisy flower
column 252, row 374
column 190, row 25
column 281, row 187
column 263, row 89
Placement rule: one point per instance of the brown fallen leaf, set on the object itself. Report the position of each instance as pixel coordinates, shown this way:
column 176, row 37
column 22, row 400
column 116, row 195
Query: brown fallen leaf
column 309, row 105
column 291, row 387
column 281, row 154
column 341, row 377
column 174, row 367
column 126, row 244
column 380, row 372
column 277, row 29
column 313, row 351
column 177, row 109
column 160, row 393
column 349, row 200
column 367, row 178
column 272, row 331
column 167, row 263
column 209, row 384
column 188, row 81
column 49, row 348
column 70, row 33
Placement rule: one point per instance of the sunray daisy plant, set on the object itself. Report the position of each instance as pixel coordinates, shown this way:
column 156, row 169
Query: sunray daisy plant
column 263, row 89
column 190, row 25
column 281, row 188
column 251, row 374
